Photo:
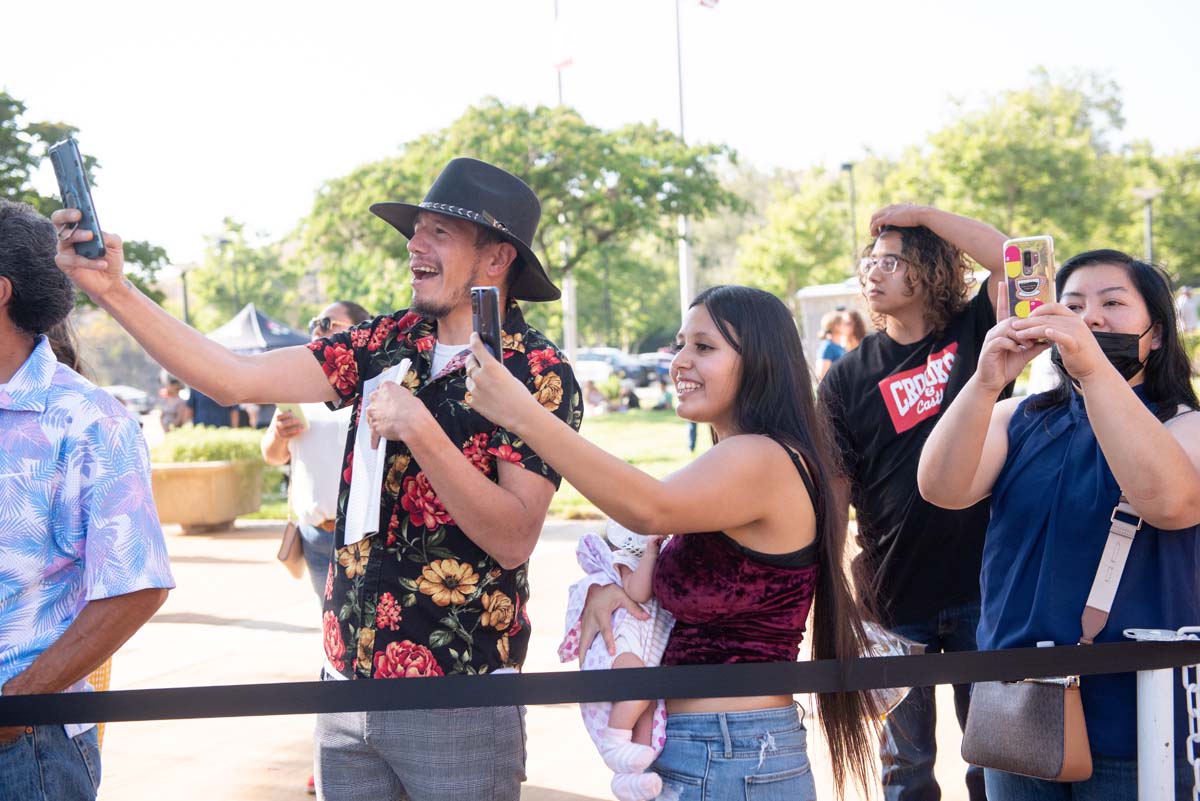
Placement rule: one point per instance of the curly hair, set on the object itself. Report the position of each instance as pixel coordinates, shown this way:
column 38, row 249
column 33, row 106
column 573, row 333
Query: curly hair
column 939, row 268
column 42, row 296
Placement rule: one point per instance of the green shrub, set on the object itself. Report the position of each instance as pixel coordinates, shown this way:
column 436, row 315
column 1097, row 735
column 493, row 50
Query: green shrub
column 209, row 444
column 611, row 387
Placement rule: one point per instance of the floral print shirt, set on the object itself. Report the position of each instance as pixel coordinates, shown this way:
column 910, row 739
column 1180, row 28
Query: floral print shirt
column 77, row 517
column 421, row 598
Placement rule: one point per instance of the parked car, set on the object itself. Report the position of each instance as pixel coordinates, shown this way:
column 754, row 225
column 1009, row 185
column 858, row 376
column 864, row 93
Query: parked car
column 621, row 364
column 132, row 398
column 595, row 369
column 661, row 362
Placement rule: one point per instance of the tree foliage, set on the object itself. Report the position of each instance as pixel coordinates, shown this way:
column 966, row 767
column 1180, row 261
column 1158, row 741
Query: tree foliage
column 1035, row 160
column 23, row 147
column 240, row 268
column 603, row 193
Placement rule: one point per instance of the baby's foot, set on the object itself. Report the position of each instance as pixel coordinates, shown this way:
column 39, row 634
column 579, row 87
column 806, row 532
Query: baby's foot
column 636, row 786
column 621, row 754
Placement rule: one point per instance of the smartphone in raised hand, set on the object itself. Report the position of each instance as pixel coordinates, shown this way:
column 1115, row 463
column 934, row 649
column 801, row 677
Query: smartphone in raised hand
column 75, row 190
column 485, row 317
column 1029, row 271
column 295, row 410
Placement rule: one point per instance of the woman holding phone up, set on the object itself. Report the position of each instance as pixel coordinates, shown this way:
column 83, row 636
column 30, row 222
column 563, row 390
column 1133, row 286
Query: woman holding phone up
column 1122, row 420
column 758, row 540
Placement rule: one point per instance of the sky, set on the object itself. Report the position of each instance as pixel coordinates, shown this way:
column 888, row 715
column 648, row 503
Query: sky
column 201, row 111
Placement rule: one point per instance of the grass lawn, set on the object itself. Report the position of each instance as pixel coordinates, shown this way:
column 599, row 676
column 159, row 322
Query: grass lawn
column 653, row 441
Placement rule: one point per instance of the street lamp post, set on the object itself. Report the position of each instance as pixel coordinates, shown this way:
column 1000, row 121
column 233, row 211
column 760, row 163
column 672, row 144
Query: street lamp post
column 223, row 243
column 183, row 279
column 1147, row 195
column 848, row 167
column 685, row 267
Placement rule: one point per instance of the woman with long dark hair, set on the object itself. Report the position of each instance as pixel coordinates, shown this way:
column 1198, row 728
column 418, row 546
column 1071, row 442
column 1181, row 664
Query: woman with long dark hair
column 1121, row 421
column 758, row 539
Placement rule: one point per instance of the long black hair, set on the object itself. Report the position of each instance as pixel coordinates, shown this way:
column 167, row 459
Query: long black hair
column 775, row 398
column 1168, row 374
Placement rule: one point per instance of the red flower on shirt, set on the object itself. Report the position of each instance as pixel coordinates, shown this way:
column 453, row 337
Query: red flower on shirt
column 506, row 453
column 387, row 613
column 348, row 470
column 425, row 343
column 380, row 333
column 405, row 660
column 329, row 583
column 338, row 363
column 335, row 649
column 359, row 337
column 393, row 528
column 476, row 452
column 422, row 504
column 539, row 360
column 408, row 321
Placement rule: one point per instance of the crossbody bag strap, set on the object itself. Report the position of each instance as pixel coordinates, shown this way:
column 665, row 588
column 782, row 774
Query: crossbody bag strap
column 1125, row 525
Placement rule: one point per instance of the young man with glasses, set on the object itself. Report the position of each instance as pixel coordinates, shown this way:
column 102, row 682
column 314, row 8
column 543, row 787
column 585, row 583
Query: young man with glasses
column 920, row 563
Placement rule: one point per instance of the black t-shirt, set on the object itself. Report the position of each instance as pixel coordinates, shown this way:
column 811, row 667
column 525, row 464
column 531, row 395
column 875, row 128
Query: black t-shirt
column 883, row 399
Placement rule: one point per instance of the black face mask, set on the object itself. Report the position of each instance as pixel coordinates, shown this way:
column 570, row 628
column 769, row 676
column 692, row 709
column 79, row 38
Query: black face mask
column 1121, row 351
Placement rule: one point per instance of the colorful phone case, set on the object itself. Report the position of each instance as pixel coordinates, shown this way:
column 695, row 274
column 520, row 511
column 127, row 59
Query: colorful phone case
column 1029, row 270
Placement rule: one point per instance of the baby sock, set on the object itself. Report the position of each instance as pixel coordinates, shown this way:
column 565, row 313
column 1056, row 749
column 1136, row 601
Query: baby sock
column 621, row 754
column 636, row 786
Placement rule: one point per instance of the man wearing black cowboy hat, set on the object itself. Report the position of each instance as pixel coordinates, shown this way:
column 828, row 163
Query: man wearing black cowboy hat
column 438, row 585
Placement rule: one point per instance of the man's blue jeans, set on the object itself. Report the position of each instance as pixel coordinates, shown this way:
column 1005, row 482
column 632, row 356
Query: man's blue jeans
column 44, row 764
column 1113, row 779
column 908, row 747
column 318, row 550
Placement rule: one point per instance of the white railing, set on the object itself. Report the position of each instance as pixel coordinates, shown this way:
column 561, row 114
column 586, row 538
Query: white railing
column 1156, row 720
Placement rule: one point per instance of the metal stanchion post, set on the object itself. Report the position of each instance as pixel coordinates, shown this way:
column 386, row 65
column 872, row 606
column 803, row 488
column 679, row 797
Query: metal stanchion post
column 1156, row 721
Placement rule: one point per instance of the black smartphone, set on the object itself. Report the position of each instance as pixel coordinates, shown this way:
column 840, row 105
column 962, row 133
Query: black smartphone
column 485, row 316
column 76, row 192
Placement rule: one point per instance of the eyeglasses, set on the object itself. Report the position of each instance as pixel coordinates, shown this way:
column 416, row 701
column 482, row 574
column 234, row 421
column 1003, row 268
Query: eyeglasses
column 887, row 264
column 324, row 325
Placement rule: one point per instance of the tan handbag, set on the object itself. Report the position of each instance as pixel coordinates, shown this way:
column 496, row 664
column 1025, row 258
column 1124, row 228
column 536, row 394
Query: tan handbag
column 291, row 550
column 1035, row 727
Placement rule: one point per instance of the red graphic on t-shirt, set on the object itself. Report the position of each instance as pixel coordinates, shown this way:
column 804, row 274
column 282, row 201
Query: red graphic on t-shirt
column 916, row 394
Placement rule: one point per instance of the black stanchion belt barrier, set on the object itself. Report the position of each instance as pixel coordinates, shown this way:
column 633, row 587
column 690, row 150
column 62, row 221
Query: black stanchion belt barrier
column 688, row 681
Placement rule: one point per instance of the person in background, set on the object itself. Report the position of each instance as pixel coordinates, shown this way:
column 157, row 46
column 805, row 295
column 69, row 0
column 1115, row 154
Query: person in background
column 855, row 329
column 1185, row 311
column 832, row 345
column 84, row 560
column 207, row 412
column 175, row 410
column 919, row 563
column 314, row 450
column 1122, row 421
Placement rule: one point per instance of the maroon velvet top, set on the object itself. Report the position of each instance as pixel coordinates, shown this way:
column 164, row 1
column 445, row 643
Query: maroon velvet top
column 732, row 604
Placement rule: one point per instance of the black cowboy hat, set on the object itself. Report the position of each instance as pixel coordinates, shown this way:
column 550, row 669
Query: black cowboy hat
column 488, row 196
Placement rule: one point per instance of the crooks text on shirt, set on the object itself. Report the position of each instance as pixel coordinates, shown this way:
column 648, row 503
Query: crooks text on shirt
column 916, row 394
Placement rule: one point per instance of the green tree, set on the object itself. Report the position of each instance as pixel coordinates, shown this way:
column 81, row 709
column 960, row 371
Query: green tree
column 23, row 146
column 240, row 268
column 804, row 240
column 601, row 191
column 1036, row 160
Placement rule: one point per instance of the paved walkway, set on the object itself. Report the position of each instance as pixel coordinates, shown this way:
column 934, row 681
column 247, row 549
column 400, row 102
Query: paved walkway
column 239, row 617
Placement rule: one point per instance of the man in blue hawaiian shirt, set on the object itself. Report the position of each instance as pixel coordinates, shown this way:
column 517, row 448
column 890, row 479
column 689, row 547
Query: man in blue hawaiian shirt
column 83, row 563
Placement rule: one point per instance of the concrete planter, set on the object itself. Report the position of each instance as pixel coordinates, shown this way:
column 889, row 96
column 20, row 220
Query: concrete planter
column 205, row 496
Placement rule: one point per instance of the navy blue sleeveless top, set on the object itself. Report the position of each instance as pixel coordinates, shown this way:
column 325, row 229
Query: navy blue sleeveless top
column 1050, row 519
